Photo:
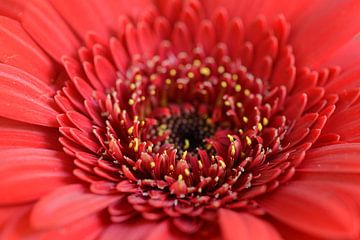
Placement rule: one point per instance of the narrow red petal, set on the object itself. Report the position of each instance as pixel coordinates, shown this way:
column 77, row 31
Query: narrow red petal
column 235, row 225
column 29, row 173
column 67, row 204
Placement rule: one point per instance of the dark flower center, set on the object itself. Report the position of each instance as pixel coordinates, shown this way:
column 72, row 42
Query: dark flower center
column 186, row 132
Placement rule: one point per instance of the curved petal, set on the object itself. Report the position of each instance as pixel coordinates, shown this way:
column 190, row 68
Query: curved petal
column 28, row 174
column 315, row 211
column 136, row 229
column 67, row 204
column 41, row 21
column 25, row 98
column 338, row 158
column 15, row 134
column 17, row 48
column 314, row 30
column 244, row 226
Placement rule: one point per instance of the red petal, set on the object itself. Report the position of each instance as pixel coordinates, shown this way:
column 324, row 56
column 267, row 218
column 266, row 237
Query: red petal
column 30, row 173
column 17, row 48
column 15, row 134
column 25, row 98
column 136, row 229
column 66, row 205
column 244, row 226
column 87, row 22
column 338, row 158
column 44, row 24
column 314, row 30
column 317, row 212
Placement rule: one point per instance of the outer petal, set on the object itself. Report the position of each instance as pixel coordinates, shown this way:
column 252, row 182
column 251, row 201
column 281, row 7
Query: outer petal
column 136, row 229
column 315, row 211
column 245, row 226
column 314, row 30
column 47, row 28
column 25, row 98
column 67, row 204
column 17, row 48
column 15, row 134
column 30, row 173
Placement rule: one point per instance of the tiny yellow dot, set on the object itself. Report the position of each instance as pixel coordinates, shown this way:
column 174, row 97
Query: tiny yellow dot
column 245, row 119
column 239, row 105
column 265, row 121
column 197, row 63
column 168, row 81
column 152, row 164
column 248, row 140
column 131, row 102
column 260, row 127
column 186, row 143
column 237, row 87
column 247, row 92
column 223, row 84
column 130, row 130
column 180, row 177
column 187, row 172
column 132, row 86
column 138, row 77
column 173, row 72
column 235, row 77
column 205, row 71
column 191, row 75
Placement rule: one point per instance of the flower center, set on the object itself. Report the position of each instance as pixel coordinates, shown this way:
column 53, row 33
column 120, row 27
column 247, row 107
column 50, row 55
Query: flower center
column 186, row 132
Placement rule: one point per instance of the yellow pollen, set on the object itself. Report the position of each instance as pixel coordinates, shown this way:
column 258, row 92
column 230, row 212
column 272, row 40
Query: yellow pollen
column 223, row 165
column 239, row 105
column 205, row 71
column 152, row 164
column 241, row 131
column 212, row 158
column 172, row 72
column 247, row 92
column 142, row 98
column 260, row 127
column 221, row 69
column 168, row 81
column 248, row 141
column 191, row 75
column 132, row 86
column 184, row 155
column 245, row 119
column 131, row 102
column 142, row 123
column 136, row 145
column 130, row 130
column 237, row 87
column 235, row 77
column 227, row 103
column 216, row 179
column 186, row 144
column 136, row 118
column 187, row 172
column 223, row 84
column 149, row 149
column 233, row 150
column 231, row 138
column 243, row 154
column 265, row 121
column 200, row 164
column 197, row 63
column 180, row 177
column 138, row 77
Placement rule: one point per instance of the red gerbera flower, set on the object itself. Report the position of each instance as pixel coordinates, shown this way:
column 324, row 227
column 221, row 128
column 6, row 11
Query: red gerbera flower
column 176, row 119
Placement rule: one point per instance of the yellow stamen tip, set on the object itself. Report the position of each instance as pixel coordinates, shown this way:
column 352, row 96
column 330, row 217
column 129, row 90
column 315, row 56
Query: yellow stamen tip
column 237, row 87
column 205, row 71
column 186, row 144
column 245, row 119
column 248, row 140
column 265, row 121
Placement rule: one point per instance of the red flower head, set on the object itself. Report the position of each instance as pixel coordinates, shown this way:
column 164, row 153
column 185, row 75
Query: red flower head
column 176, row 119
